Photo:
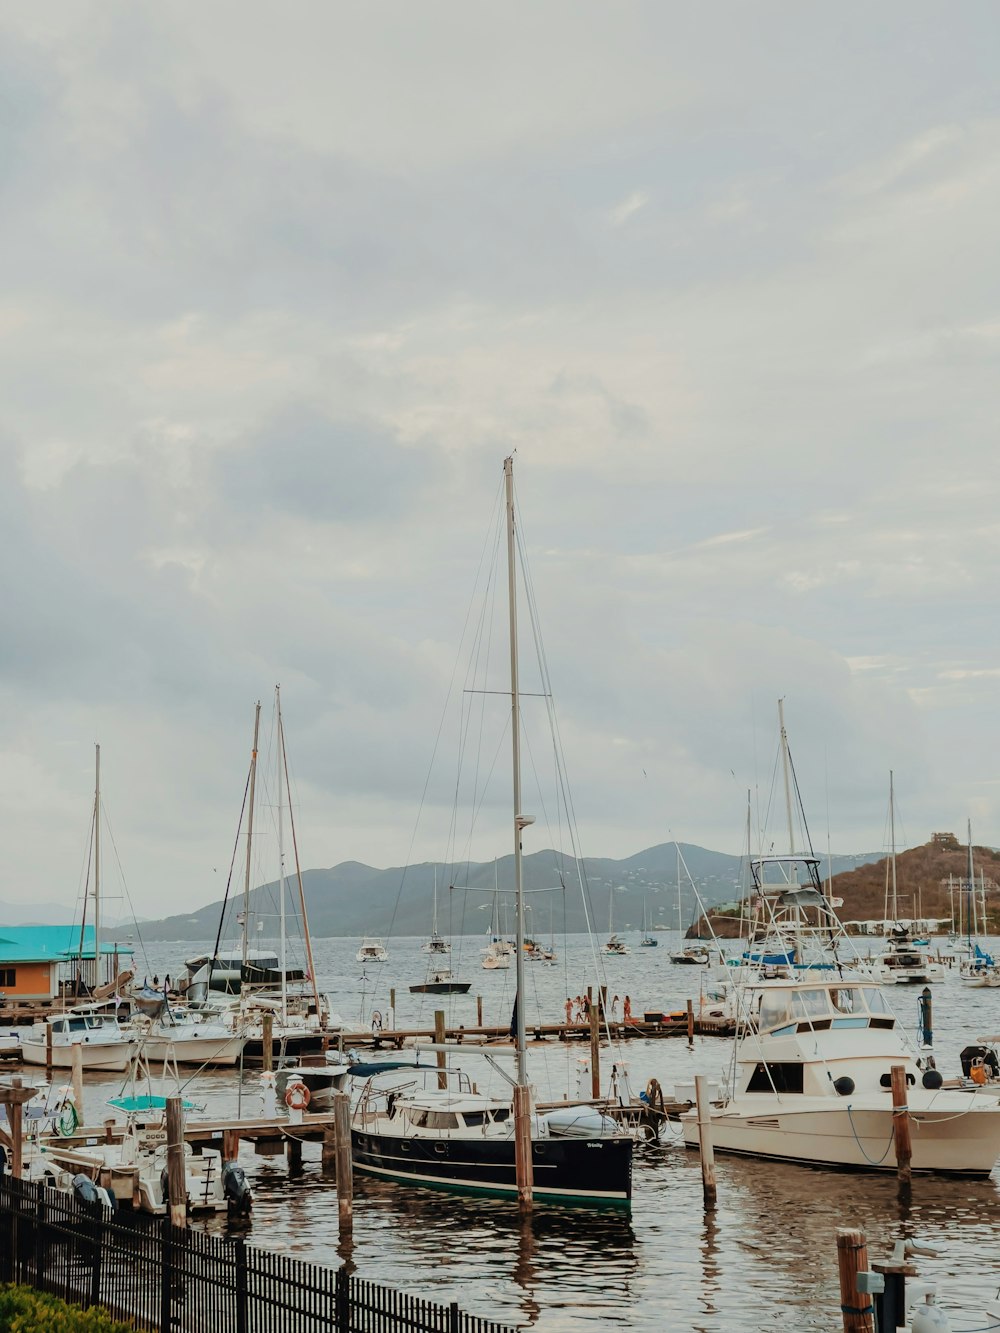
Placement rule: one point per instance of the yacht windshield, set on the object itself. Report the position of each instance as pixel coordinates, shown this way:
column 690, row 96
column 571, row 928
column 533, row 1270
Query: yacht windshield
column 811, row 1004
column 876, row 1001
column 847, row 1000
column 775, row 1008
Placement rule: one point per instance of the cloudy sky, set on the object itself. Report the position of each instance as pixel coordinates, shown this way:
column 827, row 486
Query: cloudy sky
column 283, row 286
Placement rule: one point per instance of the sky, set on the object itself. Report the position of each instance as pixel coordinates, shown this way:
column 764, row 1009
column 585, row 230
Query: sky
column 281, row 289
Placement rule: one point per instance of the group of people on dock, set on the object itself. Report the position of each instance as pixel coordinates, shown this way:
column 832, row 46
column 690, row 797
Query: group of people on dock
column 578, row 1010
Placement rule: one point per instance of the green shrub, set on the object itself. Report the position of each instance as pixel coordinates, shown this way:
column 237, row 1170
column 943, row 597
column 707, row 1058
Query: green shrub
column 24, row 1310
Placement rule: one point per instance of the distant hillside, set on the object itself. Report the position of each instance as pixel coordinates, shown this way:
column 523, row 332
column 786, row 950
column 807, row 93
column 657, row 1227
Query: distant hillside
column 922, row 884
column 921, row 877
column 355, row 899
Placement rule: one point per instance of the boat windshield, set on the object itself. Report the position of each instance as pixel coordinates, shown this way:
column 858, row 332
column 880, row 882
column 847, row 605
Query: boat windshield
column 847, row 1000
column 876, row 1000
column 811, row 1004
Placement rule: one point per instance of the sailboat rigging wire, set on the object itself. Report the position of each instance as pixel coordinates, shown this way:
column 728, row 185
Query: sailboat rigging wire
column 229, row 877
column 444, row 713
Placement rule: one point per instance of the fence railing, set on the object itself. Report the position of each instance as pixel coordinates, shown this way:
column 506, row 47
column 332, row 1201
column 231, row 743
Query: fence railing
column 169, row 1280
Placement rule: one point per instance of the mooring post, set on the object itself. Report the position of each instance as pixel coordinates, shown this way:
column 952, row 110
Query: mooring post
column 293, row 1154
column 176, row 1184
column 479, row 1011
column 267, row 1041
column 77, row 1079
column 690, row 1022
column 926, row 1017
column 328, row 1158
column 230, row 1145
column 392, row 1008
column 705, row 1142
column 439, row 1040
column 852, row 1259
column 522, row 1147
column 595, row 1045
column 345, row 1166
column 48, row 1050
column 901, row 1124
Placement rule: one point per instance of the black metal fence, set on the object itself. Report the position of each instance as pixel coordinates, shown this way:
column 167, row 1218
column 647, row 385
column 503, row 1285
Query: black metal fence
column 177, row 1281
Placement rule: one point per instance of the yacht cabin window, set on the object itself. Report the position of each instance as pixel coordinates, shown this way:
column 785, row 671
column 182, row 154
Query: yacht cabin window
column 847, row 1000
column 811, row 1004
column 775, row 1008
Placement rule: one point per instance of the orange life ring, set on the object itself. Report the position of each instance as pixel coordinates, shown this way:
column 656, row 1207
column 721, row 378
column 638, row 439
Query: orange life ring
column 297, row 1096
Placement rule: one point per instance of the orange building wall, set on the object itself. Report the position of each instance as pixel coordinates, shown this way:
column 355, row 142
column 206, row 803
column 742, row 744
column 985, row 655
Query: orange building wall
column 34, row 981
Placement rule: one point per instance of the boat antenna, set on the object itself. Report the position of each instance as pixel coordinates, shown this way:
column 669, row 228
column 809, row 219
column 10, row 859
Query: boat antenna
column 97, row 866
column 786, row 764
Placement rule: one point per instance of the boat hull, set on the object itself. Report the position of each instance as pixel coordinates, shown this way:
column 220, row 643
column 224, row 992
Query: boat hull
column 441, row 988
column 194, row 1050
column 96, row 1055
column 566, row 1171
column 948, row 1140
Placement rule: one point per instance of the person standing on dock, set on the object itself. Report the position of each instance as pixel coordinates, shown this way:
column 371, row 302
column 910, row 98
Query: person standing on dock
column 614, row 1010
column 627, row 1011
column 569, row 1012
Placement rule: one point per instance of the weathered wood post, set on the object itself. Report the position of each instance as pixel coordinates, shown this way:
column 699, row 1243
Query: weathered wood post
column 690, row 1022
column 345, row 1166
column 852, row 1259
column 176, row 1184
column 439, row 1039
column 705, row 1142
column 901, row 1124
column 479, row 1011
column 13, row 1095
column 595, row 1045
column 267, row 1039
column 77, row 1079
column 522, row 1147
column 392, row 1007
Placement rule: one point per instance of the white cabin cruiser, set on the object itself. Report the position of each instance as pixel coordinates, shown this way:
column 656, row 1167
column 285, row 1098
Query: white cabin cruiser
column 190, row 1037
column 812, row 1084
column 104, row 1044
column 903, row 962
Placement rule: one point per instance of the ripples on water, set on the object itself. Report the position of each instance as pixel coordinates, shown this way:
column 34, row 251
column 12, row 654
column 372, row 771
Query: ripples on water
column 765, row 1259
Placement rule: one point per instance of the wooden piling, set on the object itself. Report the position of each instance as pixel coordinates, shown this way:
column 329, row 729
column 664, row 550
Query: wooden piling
column 230, row 1145
column 690, row 1022
column 595, row 1045
column 852, row 1259
column 293, row 1154
column 901, row 1124
column 439, row 1038
column 345, row 1166
column 522, row 1147
column 48, row 1050
column 267, row 1041
column 77, row 1079
column 328, row 1159
column 479, row 1011
column 705, row 1142
column 176, row 1183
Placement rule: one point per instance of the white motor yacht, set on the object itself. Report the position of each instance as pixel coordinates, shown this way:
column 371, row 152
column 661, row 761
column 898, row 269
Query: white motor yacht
column 104, row 1044
column 190, row 1037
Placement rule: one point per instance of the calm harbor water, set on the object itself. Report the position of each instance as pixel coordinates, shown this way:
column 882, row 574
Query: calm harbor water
column 766, row 1258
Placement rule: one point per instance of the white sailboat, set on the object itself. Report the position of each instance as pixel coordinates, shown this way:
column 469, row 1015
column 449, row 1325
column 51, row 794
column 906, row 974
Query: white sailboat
column 978, row 968
column 689, row 954
column 437, row 944
column 103, row 1043
column 648, row 941
column 614, row 945
column 902, row 962
column 456, row 1138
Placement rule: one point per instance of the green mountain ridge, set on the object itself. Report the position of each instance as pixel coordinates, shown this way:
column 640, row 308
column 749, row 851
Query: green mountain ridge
column 352, row 899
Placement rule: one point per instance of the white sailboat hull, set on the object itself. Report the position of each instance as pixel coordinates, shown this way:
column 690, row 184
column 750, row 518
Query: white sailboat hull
column 951, row 1133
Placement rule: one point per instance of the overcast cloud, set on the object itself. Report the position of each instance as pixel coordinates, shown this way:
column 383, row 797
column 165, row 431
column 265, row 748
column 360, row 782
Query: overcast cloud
column 281, row 289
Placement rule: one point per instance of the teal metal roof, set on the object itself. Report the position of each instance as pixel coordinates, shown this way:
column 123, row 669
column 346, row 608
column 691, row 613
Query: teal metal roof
column 40, row 944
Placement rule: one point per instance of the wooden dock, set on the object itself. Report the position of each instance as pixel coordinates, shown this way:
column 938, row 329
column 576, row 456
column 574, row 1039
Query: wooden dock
column 669, row 1025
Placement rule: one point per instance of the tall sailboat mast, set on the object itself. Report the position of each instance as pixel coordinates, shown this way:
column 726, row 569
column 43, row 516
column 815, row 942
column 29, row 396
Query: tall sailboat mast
column 522, row 1091
column 520, row 820
column 307, row 938
column 892, row 845
column 97, row 867
column 788, row 785
column 281, row 870
column 253, row 788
